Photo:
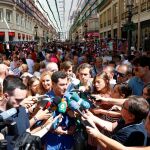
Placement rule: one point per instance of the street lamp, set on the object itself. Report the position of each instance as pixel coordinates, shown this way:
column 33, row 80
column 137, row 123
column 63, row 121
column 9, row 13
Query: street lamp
column 129, row 24
column 36, row 28
column 85, row 36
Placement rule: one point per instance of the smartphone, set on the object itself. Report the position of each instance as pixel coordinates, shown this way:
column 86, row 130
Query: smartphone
column 86, row 123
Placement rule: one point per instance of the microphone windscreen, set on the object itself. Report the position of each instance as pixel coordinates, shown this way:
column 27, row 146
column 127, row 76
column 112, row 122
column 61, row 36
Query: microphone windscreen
column 73, row 105
column 62, row 107
column 85, row 104
column 75, row 96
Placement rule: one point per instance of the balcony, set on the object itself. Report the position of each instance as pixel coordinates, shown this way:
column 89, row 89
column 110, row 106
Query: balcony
column 143, row 6
column 135, row 10
column 148, row 5
column 124, row 15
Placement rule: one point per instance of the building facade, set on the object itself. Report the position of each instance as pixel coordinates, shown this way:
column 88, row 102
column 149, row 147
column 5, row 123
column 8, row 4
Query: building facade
column 86, row 23
column 21, row 20
column 113, row 15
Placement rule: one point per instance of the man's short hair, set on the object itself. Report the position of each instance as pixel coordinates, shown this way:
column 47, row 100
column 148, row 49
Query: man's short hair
column 12, row 82
column 138, row 106
column 57, row 75
column 66, row 65
column 84, row 66
column 142, row 61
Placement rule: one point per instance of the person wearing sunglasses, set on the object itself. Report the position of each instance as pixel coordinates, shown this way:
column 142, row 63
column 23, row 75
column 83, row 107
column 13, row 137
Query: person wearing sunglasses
column 141, row 69
column 123, row 73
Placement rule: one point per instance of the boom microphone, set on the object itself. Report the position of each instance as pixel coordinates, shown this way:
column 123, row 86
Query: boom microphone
column 8, row 113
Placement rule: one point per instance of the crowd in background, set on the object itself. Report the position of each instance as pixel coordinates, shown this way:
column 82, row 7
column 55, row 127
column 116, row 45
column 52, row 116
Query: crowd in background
column 111, row 89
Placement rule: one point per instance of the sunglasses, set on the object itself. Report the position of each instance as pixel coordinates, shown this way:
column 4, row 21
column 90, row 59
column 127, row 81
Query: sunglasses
column 119, row 74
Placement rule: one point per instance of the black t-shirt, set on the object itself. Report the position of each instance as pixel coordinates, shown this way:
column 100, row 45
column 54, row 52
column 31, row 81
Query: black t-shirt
column 22, row 124
column 130, row 135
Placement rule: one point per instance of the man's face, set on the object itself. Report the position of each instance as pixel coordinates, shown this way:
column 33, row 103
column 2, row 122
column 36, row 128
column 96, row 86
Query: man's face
column 147, row 123
column 84, row 75
column 16, row 98
column 60, row 87
column 121, row 74
column 146, row 95
column 140, row 71
column 126, row 115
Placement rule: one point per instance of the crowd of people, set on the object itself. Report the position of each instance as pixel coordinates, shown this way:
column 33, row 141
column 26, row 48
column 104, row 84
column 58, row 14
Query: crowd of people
column 76, row 97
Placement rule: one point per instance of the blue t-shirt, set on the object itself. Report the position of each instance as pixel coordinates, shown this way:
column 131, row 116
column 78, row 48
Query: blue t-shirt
column 136, row 85
column 54, row 141
column 131, row 134
column 22, row 121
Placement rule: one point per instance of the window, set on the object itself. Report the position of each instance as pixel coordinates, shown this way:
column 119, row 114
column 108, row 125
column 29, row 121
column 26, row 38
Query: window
column 1, row 14
column 8, row 15
column 17, row 19
column 22, row 21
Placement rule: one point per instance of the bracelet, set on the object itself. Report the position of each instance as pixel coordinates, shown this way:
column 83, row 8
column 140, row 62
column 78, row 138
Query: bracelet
column 35, row 118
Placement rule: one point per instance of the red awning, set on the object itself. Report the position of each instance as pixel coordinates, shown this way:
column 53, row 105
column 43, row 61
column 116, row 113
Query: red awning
column 2, row 33
column 93, row 34
column 11, row 33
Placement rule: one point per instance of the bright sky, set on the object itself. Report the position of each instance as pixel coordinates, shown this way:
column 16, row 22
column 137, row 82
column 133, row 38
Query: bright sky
column 65, row 23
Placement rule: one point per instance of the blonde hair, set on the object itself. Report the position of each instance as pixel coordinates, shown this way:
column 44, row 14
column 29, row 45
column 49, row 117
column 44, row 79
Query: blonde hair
column 41, row 89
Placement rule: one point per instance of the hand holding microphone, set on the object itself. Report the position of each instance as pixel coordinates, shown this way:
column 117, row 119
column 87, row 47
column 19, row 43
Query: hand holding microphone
column 73, row 105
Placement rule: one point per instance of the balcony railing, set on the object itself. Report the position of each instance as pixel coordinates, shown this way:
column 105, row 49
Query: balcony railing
column 135, row 10
column 144, row 6
column 148, row 5
column 124, row 15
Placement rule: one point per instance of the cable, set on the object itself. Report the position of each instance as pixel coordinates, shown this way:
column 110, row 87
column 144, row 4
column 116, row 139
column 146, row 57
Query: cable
column 46, row 14
column 52, row 14
column 58, row 13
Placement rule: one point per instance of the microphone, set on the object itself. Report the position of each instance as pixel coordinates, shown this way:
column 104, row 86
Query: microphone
column 8, row 113
column 62, row 106
column 57, row 100
column 73, row 105
column 84, row 104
